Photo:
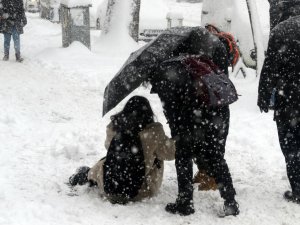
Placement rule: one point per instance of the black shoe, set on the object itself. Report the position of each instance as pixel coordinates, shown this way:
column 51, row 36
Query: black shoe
column 231, row 208
column 80, row 177
column 6, row 57
column 291, row 197
column 19, row 58
column 183, row 208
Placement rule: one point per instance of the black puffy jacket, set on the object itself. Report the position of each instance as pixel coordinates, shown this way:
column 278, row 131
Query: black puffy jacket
column 281, row 69
column 281, row 10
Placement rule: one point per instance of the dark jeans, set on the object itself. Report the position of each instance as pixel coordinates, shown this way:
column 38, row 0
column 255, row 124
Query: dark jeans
column 289, row 138
column 206, row 143
column 7, row 38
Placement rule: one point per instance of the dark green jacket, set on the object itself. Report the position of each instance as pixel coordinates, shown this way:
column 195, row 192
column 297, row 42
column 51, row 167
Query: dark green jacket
column 12, row 15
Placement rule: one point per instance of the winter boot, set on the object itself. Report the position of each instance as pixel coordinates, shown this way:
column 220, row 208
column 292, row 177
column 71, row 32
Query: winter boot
column 230, row 208
column 19, row 58
column 183, row 207
column 292, row 197
column 80, row 177
column 6, row 57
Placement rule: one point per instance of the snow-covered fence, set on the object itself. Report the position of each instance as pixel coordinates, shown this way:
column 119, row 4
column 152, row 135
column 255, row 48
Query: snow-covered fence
column 75, row 20
column 149, row 34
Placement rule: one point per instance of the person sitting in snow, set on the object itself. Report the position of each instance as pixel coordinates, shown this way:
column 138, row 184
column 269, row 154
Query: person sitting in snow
column 281, row 72
column 132, row 135
column 12, row 21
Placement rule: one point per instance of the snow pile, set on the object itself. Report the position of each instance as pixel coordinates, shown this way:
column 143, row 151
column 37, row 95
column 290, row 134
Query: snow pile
column 76, row 52
column 218, row 13
column 174, row 15
column 156, row 19
column 118, row 34
column 150, row 20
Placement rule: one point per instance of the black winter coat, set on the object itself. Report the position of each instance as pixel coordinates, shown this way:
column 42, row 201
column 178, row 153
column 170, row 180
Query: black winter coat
column 281, row 10
column 181, row 106
column 12, row 15
column 281, row 69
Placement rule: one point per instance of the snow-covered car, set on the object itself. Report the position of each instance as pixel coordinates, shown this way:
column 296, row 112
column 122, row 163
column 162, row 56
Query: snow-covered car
column 32, row 5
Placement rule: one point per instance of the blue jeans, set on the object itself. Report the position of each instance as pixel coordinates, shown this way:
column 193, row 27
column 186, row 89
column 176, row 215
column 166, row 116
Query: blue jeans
column 16, row 38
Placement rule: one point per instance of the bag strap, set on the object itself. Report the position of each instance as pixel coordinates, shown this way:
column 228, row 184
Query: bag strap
column 200, row 65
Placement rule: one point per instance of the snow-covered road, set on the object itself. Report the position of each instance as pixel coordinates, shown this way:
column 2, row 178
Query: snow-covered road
column 50, row 123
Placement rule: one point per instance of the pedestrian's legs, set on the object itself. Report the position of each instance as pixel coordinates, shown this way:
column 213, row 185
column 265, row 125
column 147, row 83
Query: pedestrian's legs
column 184, row 168
column 16, row 38
column 217, row 168
column 213, row 151
column 289, row 138
column 7, row 38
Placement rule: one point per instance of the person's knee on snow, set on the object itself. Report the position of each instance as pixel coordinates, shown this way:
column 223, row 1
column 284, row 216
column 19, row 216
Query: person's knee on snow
column 133, row 128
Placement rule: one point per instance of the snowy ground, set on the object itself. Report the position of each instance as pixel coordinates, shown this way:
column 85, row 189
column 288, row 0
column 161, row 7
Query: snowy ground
column 50, row 124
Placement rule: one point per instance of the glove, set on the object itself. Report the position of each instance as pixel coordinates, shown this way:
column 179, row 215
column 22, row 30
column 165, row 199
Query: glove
column 263, row 104
column 264, row 109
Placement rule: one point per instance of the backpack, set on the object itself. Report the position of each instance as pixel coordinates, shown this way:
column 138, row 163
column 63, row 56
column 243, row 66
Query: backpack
column 124, row 168
column 211, row 85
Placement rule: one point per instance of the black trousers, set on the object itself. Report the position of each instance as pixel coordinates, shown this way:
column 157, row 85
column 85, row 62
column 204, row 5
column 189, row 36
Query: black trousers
column 205, row 142
column 288, row 127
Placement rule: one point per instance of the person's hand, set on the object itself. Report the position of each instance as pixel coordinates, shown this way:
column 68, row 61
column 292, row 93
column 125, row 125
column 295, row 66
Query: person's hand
column 263, row 104
column 264, row 109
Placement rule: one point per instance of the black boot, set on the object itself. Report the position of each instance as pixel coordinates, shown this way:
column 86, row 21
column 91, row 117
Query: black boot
column 6, row 57
column 19, row 58
column 230, row 208
column 183, row 207
column 292, row 197
column 80, row 177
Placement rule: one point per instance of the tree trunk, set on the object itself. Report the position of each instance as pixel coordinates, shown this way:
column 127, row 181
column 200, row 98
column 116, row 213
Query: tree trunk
column 134, row 24
column 123, row 13
column 108, row 16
